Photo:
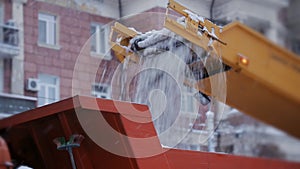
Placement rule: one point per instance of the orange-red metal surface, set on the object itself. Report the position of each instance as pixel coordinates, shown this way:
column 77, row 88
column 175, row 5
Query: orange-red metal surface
column 5, row 160
column 30, row 134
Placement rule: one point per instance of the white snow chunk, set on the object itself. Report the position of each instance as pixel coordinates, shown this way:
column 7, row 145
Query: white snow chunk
column 154, row 37
column 194, row 16
column 131, row 28
column 212, row 34
column 118, row 40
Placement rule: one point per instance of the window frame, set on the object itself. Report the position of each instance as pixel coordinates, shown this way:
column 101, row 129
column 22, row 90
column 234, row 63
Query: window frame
column 49, row 18
column 56, row 86
column 106, row 54
column 98, row 94
column 2, row 7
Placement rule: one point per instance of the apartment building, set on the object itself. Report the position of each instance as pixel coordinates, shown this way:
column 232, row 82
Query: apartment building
column 38, row 58
column 41, row 40
column 50, row 50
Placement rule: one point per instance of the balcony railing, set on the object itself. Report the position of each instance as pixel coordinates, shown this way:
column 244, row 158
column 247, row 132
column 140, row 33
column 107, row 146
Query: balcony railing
column 11, row 104
column 9, row 40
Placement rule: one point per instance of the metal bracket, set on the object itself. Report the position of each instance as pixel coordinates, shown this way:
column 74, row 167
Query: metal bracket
column 197, row 29
column 119, row 39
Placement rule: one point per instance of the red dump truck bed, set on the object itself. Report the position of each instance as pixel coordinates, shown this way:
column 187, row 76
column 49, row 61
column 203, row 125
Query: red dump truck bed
column 30, row 138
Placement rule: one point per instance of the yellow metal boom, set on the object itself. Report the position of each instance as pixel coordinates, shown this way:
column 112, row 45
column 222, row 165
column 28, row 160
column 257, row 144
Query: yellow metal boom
column 264, row 80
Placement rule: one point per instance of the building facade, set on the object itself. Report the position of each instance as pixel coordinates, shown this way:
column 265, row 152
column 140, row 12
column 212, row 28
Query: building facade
column 41, row 43
column 41, row 40
column 37, row 68
column 51, row 50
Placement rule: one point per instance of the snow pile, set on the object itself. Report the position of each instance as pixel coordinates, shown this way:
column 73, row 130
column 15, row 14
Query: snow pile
column 166, row 61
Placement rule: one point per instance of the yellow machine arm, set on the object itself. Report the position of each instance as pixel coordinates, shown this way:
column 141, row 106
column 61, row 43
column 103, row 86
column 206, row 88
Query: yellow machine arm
column 124, row 35
column 264, row 79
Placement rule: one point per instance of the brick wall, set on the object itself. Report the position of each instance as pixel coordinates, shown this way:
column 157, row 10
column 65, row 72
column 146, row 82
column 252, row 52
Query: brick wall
column 74, row 31
column 7, row 10
column 7, row 75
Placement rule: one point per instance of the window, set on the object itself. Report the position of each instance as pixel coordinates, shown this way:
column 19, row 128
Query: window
column 99, row 40
column 101, row 91
column 49, row 89
column 187, row 100
column 1, row 75
column 47, row 29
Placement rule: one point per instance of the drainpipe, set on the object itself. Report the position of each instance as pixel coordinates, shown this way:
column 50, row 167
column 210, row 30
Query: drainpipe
column 212, row 10
column 120, row 9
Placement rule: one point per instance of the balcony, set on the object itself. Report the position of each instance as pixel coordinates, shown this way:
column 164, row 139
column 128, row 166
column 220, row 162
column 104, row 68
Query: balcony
column 11, row 104
column 9, row 40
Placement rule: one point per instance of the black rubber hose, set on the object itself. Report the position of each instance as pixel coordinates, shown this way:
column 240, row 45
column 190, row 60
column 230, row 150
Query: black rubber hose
column 212, row 10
